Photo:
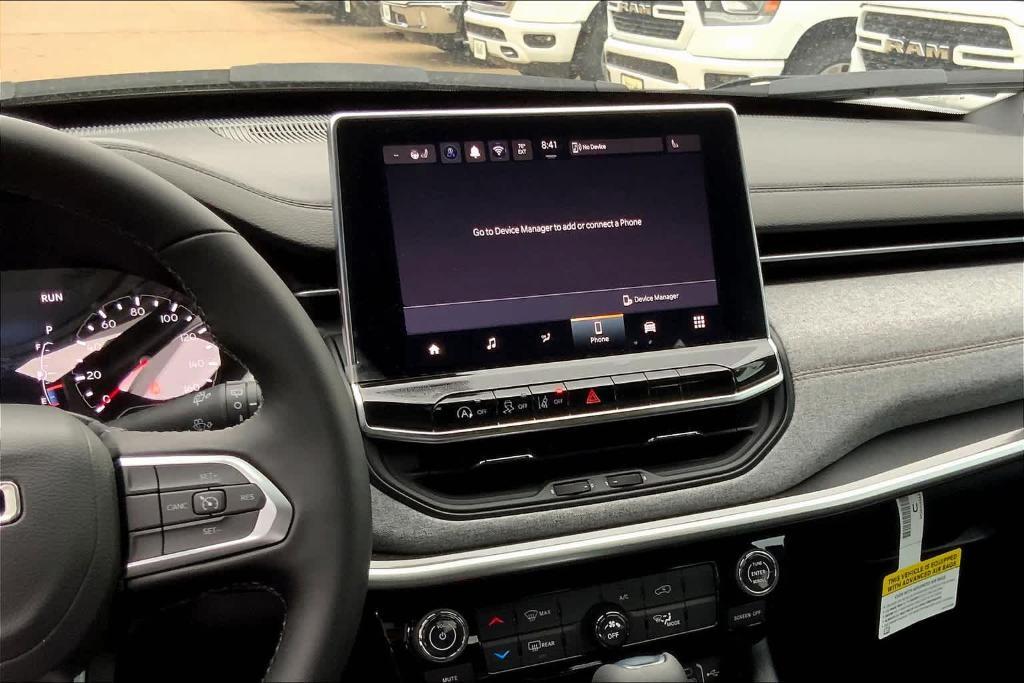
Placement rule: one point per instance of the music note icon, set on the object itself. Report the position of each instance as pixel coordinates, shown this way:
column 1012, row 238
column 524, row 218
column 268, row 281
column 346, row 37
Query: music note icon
column 492, row 343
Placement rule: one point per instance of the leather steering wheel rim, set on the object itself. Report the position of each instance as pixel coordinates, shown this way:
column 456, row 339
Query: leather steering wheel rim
column 305, row 437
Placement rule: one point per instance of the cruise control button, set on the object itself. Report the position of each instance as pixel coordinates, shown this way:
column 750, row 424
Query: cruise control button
column 142, row 512
column 243, row 498
column 550, row 400
column 590, row 395
column 139, row 479
column 666, row 621
column 209, row 532
column 542, row 647
column 208, row 502
column 465, row 412
column 143, row 545
column 176, row 507
column 198, row 475
column 514, row 405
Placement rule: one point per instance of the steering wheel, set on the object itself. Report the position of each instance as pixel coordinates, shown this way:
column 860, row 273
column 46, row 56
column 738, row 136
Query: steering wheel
column 63, row 552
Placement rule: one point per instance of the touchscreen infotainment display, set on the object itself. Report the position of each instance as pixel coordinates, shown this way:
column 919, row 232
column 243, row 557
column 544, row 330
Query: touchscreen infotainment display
column 517, row 241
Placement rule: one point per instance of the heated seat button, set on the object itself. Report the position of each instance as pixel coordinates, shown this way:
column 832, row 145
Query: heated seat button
column 208, row 532
column 243, row 498
column 534, row 614
column 514, row 405
column 590, row 395
column 208, row 502
column 699, row 580
column 549, row 400
column 465, row 412
column 198, row 475
column 496, row 622
column 544, row 646
column 501, row 655
column 701, row 612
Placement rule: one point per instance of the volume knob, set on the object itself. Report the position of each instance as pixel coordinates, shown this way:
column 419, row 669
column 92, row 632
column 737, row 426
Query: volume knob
column 440, row 636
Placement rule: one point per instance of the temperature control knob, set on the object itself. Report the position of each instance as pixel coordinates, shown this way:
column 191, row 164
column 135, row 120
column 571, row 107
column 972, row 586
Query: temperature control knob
column 440, row 636
column 611, row 628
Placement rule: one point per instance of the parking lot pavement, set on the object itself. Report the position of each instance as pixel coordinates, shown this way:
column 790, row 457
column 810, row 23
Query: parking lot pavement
column 63, row 39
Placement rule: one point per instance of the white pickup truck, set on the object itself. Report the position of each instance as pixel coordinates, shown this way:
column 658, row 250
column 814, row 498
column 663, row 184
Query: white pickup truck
column 667, row 45
column 942, row 35
column 539, row 38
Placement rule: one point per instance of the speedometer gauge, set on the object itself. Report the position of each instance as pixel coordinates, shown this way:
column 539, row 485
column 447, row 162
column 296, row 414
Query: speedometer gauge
column 141, row 349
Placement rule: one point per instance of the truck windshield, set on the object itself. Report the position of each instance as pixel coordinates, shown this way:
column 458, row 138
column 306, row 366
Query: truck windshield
column 654, row 45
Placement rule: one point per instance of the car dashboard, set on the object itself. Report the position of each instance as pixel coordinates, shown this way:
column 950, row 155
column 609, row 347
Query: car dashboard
column 536, row 514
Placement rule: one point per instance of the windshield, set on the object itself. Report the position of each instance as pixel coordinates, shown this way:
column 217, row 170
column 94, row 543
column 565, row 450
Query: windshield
column 662, row 45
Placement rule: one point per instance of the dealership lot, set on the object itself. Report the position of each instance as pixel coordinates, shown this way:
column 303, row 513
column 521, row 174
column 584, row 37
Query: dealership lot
column 65, row 39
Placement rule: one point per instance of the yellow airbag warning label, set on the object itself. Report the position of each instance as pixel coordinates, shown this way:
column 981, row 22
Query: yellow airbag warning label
column 917, row 592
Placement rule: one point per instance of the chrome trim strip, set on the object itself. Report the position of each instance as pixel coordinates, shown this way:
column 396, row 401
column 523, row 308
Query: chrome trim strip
column 562, row 420
column 272, row 523
column 441, row 569
column 11, row 495
column 893, row 249
column 309, row 293
column 336, row 119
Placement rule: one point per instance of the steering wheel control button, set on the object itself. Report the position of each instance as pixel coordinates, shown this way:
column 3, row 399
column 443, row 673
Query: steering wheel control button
column 208, row 532
column 611, row 628
column 544, row 646
column 591, row 395
column 536, row 614
column 243, row 498
column 757, row 572
column 463, row 673
column 496, row 622
column 142, row 512
column 514, row 405
column 550, row 400
column 198, row 475
column 208, row 502
column 628, row 594
column 176, row 507
column 502, row 655
column 699, row 580
column 701, row 612
column 666, row 621
column 143, row 545
column 465, row 412
column 663, row 589
column 441, row 635
column 139, row 479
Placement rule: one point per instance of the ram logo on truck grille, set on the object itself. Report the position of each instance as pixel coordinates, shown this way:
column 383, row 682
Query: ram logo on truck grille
column 917, row 48
column 644, row 8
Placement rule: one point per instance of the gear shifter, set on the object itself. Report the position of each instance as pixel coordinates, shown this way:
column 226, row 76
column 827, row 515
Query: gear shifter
column 663, row 667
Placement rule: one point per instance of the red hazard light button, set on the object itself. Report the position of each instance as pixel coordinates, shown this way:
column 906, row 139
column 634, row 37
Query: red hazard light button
column 591, row 395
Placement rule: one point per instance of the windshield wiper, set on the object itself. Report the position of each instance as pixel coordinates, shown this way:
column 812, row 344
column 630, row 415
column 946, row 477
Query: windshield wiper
column 889, row 83
column 309, row 76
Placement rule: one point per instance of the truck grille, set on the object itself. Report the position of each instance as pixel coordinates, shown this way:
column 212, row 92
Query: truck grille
column 646, row 67
column 645, row 25
column 950, row 33
column 492, row 6
column 485, row 31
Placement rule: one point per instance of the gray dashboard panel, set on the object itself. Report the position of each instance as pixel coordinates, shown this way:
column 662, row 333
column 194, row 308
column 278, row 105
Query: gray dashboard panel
column 802, row 172
column 868, row 355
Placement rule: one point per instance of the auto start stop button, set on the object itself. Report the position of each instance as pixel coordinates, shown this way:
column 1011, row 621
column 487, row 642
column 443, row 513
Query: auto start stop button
column 757, row 572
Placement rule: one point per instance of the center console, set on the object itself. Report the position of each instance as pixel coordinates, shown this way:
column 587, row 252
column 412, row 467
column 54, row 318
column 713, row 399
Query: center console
column 546, row 307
